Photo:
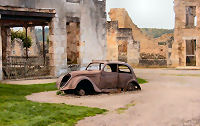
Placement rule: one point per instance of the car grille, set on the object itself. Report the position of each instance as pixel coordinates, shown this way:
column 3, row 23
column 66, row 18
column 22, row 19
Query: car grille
column 65, row 80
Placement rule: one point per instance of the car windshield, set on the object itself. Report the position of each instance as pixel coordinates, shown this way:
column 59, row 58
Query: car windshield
column 94, row 66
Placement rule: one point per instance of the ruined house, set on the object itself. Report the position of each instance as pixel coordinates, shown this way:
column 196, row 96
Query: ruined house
column 121, row 45
column 186, row 46
column 152, row 51
column 77, row 31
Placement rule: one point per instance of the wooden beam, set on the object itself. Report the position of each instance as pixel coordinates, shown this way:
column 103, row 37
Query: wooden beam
column 11, row 23
column 26, row 13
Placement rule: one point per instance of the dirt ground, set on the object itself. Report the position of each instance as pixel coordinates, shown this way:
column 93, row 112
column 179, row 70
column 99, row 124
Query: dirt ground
column 171, row 98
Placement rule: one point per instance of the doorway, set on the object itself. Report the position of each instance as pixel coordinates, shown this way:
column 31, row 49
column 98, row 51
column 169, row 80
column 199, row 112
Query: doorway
column 73, row 41
column 191, row 52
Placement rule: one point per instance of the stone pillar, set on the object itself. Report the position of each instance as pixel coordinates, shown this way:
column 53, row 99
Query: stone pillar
column 1, row 72
column 57, row 46
column 93, row 33
column 6, row 42
column 8, row 48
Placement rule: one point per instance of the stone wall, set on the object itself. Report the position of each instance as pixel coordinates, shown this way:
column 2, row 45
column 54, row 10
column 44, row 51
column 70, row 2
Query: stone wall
column 92, row 29
column 73, row 42
column 121, row 45
column 148, row 45
column 184, row 32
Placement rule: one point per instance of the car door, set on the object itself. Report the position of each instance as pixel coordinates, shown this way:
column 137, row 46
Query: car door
column 125, row 75
column 109, row 77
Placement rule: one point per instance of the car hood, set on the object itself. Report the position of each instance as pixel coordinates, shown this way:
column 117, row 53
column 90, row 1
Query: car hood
column 83, row 73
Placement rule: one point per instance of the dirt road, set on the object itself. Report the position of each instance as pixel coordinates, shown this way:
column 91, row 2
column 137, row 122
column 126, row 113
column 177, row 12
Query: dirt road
column 171, row 98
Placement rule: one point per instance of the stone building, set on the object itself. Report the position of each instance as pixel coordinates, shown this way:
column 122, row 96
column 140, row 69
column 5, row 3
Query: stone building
column 84, row 19
column 121, row 44
column 152, row 51
column 186, row 46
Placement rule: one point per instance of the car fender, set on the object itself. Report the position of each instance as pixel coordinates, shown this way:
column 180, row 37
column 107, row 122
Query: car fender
column 73, row 83
column 134, row 81
column 59, row 81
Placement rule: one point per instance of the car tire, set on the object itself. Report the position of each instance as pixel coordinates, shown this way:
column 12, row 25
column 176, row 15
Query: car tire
column 80, row 92
column 133, row 87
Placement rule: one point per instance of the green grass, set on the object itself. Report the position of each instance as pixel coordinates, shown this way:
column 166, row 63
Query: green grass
column 122, row 110
column 15, row 110
column 141, row 81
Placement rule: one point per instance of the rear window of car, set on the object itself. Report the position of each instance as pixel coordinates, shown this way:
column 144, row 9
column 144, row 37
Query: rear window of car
column 124, row 69
column 110, row 68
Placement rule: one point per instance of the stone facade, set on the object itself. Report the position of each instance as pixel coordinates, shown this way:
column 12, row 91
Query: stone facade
column 121, row 45
column 186, row 46
column 92, row 17
column 150, row 48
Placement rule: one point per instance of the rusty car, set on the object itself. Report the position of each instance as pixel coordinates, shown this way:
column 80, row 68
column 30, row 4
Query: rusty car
column 100, row 76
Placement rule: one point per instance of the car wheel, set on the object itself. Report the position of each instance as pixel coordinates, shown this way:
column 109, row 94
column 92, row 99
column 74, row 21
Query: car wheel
column 80, row 92
column 133, row 87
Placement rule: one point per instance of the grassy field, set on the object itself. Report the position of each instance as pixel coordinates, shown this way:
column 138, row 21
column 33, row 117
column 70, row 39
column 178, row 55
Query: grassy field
column 15, row 110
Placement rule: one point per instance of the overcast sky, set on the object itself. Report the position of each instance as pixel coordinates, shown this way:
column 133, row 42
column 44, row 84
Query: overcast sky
column 147, row 13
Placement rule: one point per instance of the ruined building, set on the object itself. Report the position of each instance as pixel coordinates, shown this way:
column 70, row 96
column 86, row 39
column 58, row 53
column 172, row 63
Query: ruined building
column 121, row 45
column 138, row 48
column 186, row 47
column 77, row 32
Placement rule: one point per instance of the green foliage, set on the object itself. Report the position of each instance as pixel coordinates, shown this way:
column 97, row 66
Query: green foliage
column 22, row 35
column 141, row 81
column 155, row 33
column 15, row 110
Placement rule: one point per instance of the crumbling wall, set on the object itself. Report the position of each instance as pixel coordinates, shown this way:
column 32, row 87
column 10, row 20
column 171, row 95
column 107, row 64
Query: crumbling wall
column 92, row 29
column 185, row 31
column 112, row 45
column 17, row 48
column 149, row 47
column 121, row 45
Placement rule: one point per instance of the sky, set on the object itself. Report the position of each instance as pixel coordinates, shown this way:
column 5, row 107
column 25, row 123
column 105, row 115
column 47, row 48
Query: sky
column 147, row 13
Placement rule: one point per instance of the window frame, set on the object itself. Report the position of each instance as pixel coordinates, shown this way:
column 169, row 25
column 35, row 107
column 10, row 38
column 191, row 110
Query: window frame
column 110, row 67
column 125, row 66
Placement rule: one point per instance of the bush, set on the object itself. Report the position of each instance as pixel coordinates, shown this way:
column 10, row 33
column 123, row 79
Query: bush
column 22, row 35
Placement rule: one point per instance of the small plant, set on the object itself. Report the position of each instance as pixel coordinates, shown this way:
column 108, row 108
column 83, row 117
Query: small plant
column 59, row 93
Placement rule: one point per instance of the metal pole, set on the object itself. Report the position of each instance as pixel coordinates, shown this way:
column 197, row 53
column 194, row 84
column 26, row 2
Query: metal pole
column 26, row 41
column 43, row 35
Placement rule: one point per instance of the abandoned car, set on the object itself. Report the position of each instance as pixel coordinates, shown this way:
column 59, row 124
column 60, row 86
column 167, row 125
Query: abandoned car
column 100, row 76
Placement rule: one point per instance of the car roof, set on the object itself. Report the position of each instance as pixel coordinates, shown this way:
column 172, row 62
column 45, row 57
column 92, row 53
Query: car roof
column 107, row 62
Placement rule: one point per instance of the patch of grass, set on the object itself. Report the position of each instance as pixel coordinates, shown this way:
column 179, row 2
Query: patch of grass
column 141, row 81
column 59, row 92
column 122, row 110
column 15, row 110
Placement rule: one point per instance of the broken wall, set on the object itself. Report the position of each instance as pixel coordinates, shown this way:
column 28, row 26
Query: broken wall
column 92, row 29
column 185, row 30
column 150, row 48
column 121, row 45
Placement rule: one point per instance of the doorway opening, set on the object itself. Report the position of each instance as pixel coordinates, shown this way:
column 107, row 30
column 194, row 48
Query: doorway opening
column 122, row 50
column 73, row 40
column 191, row 52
